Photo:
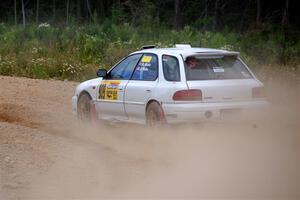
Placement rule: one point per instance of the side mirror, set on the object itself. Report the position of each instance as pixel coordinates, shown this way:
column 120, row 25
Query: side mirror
column 102, row 73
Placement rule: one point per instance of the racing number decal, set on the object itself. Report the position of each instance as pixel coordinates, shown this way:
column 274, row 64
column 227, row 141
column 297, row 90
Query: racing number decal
column 144, row 64
column 109, row 90
column 146, row 59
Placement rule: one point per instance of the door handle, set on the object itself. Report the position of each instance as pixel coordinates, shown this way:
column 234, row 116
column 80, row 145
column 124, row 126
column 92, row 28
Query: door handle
column 120, row 88
column 148, row 90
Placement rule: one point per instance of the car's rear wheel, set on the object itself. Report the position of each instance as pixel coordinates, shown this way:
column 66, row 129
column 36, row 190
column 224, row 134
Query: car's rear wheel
column 154, row 115
column 85, row 110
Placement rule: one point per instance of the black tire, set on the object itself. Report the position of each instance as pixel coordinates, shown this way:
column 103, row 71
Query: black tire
column 154, row 115
column 84, row 108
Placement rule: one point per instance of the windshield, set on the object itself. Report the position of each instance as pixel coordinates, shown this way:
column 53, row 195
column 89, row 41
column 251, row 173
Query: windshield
column 215, row 68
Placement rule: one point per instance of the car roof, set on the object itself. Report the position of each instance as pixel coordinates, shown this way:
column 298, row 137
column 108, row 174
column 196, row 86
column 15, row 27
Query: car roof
column 186, row 50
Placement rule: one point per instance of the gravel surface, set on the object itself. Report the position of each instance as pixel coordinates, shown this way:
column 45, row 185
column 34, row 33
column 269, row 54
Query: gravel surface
column 45, row 154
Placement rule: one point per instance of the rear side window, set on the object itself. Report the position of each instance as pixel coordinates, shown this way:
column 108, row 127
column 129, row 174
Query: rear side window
column 171, row 68
column 218, row 68
column 146, row 69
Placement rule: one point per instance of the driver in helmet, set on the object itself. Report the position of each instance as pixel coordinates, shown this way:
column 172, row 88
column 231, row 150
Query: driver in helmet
column 192, row 62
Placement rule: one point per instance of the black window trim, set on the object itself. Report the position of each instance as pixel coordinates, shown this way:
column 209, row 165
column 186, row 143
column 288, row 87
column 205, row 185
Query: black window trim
column 139, row 62
column 164, row 69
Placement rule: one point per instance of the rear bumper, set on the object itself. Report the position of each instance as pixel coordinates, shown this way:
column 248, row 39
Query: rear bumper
column 187, row 112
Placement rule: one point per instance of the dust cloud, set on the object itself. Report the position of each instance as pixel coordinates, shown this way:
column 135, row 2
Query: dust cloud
column 253, row 156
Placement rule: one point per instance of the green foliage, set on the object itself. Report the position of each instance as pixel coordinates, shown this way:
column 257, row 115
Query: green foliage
column 75, row 52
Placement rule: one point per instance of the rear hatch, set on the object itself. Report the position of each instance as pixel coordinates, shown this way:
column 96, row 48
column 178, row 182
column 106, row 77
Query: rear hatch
column 221, row 78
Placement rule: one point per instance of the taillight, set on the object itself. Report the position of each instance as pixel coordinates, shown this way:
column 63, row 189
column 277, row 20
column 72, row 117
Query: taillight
column 188, row 95
column 258, row 92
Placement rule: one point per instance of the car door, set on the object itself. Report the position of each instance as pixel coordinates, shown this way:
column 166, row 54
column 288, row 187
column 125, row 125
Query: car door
column 140, row 87
column 110, row 96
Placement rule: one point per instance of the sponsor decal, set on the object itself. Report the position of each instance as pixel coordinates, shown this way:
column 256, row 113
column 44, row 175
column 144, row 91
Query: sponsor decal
column 109, row 89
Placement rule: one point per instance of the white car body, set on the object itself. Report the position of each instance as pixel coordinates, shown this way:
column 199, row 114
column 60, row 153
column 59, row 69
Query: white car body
column 128, row 99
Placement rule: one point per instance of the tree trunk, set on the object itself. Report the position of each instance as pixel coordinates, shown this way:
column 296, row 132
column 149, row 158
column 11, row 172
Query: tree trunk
column 100, row 7
column 157, row 13
column 205, row 14
column 67, row 12
column 216, row 15
column 206, row 9
column 78, row 12
column 23, row 13
column 54, row 10
column 37, row 11
column 177, row 20
column 258, row 12
column 285, row 29
column 243, row 15
column 89, row 10
column 285, row 15
column 15, row 9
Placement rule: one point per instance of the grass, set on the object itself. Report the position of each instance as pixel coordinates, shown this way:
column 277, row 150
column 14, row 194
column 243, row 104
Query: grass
column 76, row 52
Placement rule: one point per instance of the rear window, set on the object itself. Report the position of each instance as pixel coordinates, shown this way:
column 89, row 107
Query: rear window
column 217, row 68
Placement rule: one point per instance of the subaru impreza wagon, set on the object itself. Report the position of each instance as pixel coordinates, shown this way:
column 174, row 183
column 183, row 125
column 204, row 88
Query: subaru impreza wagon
column 170, row 85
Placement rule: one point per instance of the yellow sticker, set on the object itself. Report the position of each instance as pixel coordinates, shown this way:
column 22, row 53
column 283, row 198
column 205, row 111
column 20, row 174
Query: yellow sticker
column 146, row 59
column 109, row 90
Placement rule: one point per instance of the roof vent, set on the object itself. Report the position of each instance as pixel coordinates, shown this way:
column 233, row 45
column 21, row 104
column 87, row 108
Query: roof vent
column 148, row 47
column 183, row 46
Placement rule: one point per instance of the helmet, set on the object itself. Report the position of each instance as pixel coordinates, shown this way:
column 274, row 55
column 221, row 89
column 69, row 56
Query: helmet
column 192, row 62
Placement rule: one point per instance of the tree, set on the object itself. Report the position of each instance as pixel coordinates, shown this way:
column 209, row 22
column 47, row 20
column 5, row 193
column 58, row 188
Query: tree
column 244, row 14
column 37, row 11
column 285, row 18
column 170, row 13
column 177, row 20
column 206, row 9
column 15, row 11
column 258, row 12
column 216, row 14
column 67, row 12
column 23, row 13
column 89, row 9
column 53, row 10
column 78, row 10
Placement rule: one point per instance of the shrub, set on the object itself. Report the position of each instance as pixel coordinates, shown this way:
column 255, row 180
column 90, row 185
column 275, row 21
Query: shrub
column 75, row 52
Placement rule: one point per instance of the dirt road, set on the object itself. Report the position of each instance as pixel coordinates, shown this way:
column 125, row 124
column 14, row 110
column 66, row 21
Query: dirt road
column 44, row 154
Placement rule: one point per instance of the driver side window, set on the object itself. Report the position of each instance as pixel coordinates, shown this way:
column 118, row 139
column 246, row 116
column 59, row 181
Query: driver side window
column 124, row 69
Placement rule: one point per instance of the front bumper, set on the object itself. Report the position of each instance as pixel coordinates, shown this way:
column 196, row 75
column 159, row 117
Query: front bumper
column 188, row 112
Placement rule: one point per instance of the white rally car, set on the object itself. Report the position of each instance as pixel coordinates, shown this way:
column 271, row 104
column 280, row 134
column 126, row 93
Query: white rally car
column 170, row 85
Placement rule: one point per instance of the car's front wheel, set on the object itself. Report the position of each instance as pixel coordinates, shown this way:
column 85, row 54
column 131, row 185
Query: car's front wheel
column 85, row 109
column 154, row 115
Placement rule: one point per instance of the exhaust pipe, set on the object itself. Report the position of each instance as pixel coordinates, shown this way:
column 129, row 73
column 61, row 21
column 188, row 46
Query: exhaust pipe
column 208, row 114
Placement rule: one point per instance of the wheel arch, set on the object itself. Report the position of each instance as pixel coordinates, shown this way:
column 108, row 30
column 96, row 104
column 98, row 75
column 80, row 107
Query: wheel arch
column 159, row 103
column 162, row 113
column 149, row 102
column 82, row 93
